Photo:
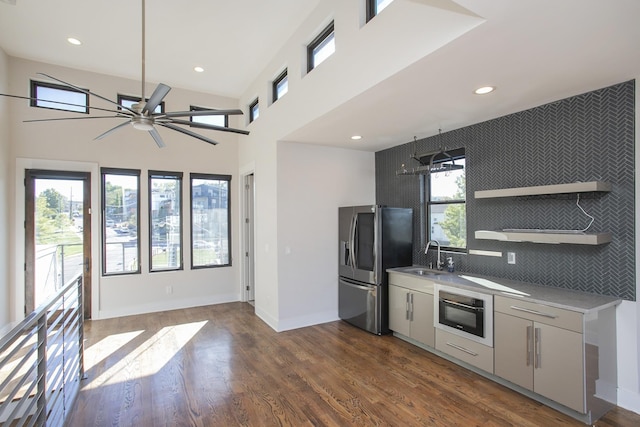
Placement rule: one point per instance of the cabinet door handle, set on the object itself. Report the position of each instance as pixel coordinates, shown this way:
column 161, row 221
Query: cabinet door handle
column 407, row 308
column 528, row 310
column 457, row 347
column 411, row 302
column 538, row 345
column 529, row 345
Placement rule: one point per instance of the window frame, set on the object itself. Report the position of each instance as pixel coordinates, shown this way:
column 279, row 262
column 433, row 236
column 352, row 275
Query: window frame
column 218, row 177
column 197, row 108
column 317, row 42
column 372, row 9
column 456, row 154
column 135, row 99
column 125, row 172
column 178, row 176
column 254, row 105
column 277, row 81
column 35, row 84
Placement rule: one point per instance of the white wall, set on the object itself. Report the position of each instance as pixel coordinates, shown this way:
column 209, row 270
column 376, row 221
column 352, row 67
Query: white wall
column 349, row 72
column 628, row 314
column 72, row 141
column 313, row 182
column 5, row 192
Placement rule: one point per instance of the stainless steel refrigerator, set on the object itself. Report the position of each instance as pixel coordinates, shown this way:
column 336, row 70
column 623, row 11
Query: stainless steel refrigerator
column 371, row 238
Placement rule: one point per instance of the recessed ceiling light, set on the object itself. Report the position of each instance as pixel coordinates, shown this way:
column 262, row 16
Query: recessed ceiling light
column 198, row 69
column 484, row 90
column 74, row 41
column 356, row 137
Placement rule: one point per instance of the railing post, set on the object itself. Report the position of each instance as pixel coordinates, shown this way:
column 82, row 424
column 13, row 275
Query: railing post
column 42, row 370
column 62, row 281
column 81, row 325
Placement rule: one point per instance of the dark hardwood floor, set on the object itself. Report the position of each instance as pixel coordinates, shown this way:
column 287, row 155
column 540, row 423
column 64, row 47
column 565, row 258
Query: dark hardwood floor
column 222, row 366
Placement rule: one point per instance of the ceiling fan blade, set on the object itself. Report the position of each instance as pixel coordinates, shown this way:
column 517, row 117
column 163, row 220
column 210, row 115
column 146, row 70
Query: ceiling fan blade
column 156, row 98
column 31, row 98
column 74, row 118
column 208, row 126
column 194, row 113
column 87, row 92
column 188, row 132
column 157, row 138
column 110, row 131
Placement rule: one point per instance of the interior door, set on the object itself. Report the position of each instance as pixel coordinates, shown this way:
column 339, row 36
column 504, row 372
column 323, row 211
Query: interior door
column 57, row 234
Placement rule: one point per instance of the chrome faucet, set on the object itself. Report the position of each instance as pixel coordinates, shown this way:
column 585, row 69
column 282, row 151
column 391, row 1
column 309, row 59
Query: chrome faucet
column 439, row 263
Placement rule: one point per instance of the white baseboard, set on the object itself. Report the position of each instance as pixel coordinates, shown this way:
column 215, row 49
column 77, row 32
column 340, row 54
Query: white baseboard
column 307, row 320
column 629, row 400
column 166, row 306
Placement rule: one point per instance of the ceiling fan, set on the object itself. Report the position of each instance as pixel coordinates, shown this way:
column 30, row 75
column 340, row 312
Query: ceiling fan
column 142, row 116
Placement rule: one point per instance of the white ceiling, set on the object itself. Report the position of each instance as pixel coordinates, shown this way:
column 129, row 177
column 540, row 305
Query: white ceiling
column 232, row 40
column 534, row 51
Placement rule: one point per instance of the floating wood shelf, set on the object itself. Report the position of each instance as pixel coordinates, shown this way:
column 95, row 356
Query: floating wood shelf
column 574, row 187
column 545, row 236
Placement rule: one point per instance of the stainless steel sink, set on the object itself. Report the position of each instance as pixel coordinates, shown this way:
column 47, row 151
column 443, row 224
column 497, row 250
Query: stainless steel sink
column 419, row 271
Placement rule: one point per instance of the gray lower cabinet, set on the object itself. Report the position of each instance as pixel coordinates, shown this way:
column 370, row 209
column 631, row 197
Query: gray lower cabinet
column 544, row 359
column 411, row 314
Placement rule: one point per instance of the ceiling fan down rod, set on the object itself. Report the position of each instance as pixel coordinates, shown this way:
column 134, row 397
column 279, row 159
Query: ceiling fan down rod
column 142, row 98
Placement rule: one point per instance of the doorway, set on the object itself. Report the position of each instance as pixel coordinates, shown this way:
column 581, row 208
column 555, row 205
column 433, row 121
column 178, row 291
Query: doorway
column 248, row 240
column 57, row 234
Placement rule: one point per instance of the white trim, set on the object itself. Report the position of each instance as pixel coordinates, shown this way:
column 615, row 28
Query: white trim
column 23, row 164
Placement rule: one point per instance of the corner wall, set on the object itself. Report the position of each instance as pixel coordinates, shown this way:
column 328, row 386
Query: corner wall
column 5, row 193
column 71, row 144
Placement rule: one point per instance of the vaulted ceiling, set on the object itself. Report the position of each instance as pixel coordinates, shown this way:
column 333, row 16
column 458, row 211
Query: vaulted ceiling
column 534, row 51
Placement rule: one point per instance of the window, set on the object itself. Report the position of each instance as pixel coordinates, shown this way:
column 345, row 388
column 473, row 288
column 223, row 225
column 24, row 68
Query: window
column 280, row 85
column 447, row 219
column 120, row 221
column 165, row 220
column 210, row 220
column 221, row 120
column 321, row 48
column 374, row 7
column 58, row 97
column 128, row 101
column 254, row 111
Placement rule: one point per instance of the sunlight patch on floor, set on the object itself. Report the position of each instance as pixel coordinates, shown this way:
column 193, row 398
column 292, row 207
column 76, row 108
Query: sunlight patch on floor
column 139, row 362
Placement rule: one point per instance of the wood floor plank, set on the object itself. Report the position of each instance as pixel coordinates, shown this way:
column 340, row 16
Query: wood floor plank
column 222, row 366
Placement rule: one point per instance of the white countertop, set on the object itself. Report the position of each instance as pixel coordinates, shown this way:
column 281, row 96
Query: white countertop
column 582, row 302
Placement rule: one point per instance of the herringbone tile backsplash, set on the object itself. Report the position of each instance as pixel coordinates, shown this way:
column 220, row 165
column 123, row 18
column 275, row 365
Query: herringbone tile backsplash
column 584, row 138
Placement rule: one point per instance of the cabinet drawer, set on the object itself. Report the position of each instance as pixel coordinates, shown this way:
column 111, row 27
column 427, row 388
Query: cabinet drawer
column 473, row 353
column 413, row 283
column 561, row 318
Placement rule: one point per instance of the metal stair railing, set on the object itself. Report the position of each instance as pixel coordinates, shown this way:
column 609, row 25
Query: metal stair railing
column 42, row 361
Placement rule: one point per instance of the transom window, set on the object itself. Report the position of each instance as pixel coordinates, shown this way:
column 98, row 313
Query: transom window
column 221, row 120
column 321, row 47
column 375, row 6
column 128, row 101
column 280, row 85
column 446, row 202
column 165, row 220
column 254, row 110
column 58, row 97
column 210, row 220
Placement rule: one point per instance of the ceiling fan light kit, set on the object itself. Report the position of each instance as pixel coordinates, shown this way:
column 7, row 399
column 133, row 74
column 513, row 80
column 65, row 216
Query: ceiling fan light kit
column 142, row 116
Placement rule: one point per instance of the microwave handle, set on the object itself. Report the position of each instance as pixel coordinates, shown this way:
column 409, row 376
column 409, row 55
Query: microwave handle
column 459, row 304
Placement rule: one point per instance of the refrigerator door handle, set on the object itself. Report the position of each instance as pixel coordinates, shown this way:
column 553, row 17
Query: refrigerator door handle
column 352, row 241
column 354, row 285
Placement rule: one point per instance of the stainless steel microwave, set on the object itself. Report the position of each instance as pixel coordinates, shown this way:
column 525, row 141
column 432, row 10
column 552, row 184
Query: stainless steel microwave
column 465, row 313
